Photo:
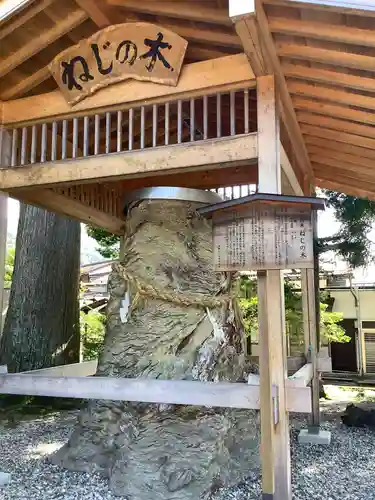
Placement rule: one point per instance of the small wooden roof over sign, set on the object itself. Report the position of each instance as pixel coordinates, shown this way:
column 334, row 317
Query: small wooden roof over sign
column 275, row 200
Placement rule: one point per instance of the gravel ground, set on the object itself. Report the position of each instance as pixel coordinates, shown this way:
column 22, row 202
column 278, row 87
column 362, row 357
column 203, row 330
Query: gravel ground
column 345, row 470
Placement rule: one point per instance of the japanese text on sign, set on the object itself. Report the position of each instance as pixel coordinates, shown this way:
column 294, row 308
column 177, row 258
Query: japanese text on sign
column 263, row 237
column 133, row 50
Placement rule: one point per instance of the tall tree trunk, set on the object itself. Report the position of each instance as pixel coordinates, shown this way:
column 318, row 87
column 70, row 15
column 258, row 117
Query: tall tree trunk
column 180, row 326
column 42, row 323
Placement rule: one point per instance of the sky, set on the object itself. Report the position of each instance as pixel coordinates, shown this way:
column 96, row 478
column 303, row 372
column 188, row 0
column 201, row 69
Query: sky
column 327, row 225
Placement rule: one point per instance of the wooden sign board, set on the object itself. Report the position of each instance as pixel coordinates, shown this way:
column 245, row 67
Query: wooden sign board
column 142, row 51
column 261, row 237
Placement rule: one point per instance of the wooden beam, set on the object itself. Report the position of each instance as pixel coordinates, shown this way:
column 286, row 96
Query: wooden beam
column 361, row 7
column 326, row 56
column 324, row 108
column 26, row 84
column 275, row 445
column 302, row 377
column 247, row 29
column 289, row 172
column 344, row 187
column 180, row 392
column 329, row 77
column 333, row 95
column 84, row 369
column 337, row 136
column 37, row 44
column 48, row 199
column 31, row 12
column 11, row 8
column 323, row 172
column 196, row 79
column 214, row 153
column 288, row 113
column 337, row 167
column 323, row 31
column 198, row 12
column 98, row 12
column 340, row 146
column 340, row 156
column 335, row 124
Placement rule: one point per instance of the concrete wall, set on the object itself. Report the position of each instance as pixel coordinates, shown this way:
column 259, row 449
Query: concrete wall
column 344, row 303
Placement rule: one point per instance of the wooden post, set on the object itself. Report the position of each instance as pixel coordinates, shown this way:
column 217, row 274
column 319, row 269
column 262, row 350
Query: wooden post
column 4, row 161
column 275, row 445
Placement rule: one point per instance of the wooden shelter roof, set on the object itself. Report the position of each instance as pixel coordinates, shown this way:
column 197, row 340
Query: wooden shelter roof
column 322, row 53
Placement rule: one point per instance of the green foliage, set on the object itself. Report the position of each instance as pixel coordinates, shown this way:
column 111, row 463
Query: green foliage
column 9, row 266
column 108, row 243
column 92, row 326
column 329, row 328
column 356, row 217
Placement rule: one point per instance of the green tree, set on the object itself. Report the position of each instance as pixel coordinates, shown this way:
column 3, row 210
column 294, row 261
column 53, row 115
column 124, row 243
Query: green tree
column 9, row 266
column 356, row 217
column 92, row 326
column 109, row 244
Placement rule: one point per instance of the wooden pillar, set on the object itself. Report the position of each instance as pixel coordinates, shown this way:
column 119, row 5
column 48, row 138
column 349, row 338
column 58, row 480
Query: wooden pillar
column 4, row 161
column 275, row 445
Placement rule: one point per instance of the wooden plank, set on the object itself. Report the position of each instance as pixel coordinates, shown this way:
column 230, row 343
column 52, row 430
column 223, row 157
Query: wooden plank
column 289, row 172
column 181, row 392
column 32, row 11
column 337, row 136
column 326, row 56
column 26, row 84
column 98, row 12
column 329, row 77
column 198, row 12
column 340, row 156
column 275, row 445
column 361, row 7
column 340, row 146
column 346, row 177
column 247, row 29
column 10, row 8
column 84, row 369
column 334, row 95
column 302, row 377
column 196, row 79
column 46, row 38
column 336, row 124
column 336, row 168
column 324, row 108
column 288, row 113
column 323, row 31
column 5, row 152
column 209, row 154
column 344, row 187
column 48, row 199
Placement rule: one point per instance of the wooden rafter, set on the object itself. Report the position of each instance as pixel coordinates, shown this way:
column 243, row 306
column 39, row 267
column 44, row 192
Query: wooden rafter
column 98, row 12
column 336, row 124
column 28, row 50
column 32, row 11
column 323, row 31
column 332, row 95
column 339, row 155
column 329, row 77
column 184, row 10
column 26, row 84
column 335, row 111
column 326, row 56
column 344, row 147
column 345, row 187
column 337, row 136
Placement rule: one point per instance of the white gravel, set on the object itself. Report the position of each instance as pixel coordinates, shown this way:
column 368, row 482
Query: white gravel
column 345, row 470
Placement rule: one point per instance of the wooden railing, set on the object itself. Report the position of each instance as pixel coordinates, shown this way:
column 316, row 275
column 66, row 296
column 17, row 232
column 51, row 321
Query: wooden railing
column 219, row 115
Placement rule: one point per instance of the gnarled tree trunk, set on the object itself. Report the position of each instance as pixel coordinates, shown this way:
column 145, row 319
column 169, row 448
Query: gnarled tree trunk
column 180, row 326
column 42, row 323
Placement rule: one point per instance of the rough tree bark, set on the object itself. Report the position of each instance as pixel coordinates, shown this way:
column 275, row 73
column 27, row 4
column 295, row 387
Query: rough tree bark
column 167, row 452
column 42, row 323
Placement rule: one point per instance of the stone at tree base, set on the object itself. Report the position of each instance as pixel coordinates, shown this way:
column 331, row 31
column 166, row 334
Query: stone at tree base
column 168, row 452
column 359, row 415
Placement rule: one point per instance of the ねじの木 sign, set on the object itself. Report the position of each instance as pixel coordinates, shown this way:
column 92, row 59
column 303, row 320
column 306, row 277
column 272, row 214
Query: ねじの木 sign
column 141, row 51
